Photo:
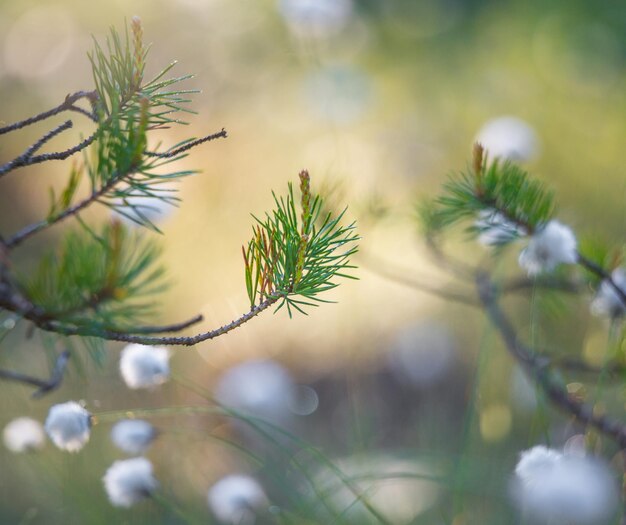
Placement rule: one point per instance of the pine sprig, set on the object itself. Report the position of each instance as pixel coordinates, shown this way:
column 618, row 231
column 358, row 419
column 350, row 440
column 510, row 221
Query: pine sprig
column 498, row 187
column 118, row 71
column 292, row 260
column 129, row 178
column 100, row 282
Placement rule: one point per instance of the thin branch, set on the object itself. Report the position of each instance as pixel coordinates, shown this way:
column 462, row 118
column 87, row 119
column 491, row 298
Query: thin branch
column 543, row 282
column 44, row 386
column 175, row 327
column 32, row 229
column 173, row 153
column 600, row 272
column 26, row 158
column 13, row 301
column 537, row 368
column 66, row 105
column 23, row 161
column 112, row 335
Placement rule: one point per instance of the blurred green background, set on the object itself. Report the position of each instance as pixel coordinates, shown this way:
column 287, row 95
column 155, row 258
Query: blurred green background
column 379, row 100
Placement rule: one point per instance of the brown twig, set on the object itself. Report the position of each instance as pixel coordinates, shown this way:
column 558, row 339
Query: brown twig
column 185, row 147
column 139, row 337
column 66, row 105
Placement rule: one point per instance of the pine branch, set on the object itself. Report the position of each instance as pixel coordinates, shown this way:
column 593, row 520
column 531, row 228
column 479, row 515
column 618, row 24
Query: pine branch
column 32, row 229
column 139, row 338
column 192, row 143
column 67, row 105
column 296, row 260
column 537, row 368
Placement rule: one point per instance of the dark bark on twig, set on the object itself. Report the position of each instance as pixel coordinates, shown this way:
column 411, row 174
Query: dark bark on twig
column 188, row 146
column 22, row 161
column 66, row 105
column 174, row 327
column 140, row 338
column 538, row 369
column 44, row 386
column 13, row 301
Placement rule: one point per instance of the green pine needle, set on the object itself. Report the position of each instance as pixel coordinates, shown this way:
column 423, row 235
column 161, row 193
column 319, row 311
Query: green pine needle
column 500, row 187
column 293, row 258
column 101, row 282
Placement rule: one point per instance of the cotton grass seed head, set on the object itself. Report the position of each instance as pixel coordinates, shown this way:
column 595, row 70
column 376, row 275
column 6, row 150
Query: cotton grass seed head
column 509, row 138
column 548, row 247
column 68, row 425
column 607, row 303
column 133, row 436
column 129, row 481
column 144, row 366
column 552, row 487
column 261, row 387
column 236, row 499
column 24, row 434
column 495, row 229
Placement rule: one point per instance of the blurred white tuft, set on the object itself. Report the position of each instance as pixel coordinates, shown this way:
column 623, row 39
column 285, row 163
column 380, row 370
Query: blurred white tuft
column 129, row 481
column 144, row 366
column 236, row 499
column 508, row 138
column 68, row 425
column 133, row 436
column 24, row 434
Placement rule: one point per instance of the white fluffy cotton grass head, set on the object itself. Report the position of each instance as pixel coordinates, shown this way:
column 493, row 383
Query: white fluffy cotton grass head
column 555, row 487
column 552, row 244
column 68, row 425
column 133, row 436
column 509, row 138
column 607, row 302
column 24, row 434
column 144, row 366
column 495, row 229
column 236, row 499
column 129, row 481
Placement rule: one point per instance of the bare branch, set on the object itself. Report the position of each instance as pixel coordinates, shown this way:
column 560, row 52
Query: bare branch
column 188, row 146
column 66, row 105
column 23, row 161
column 175, row 327
column 139, row 338
column 44, row 386
column 13, row 301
